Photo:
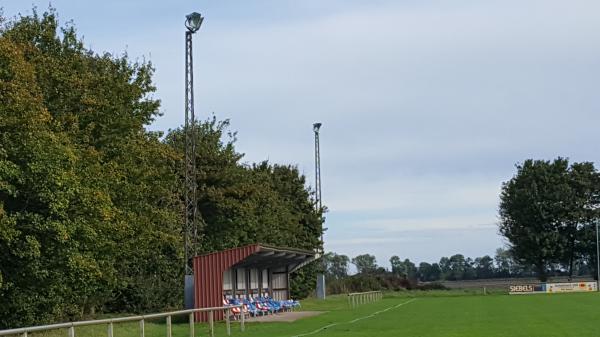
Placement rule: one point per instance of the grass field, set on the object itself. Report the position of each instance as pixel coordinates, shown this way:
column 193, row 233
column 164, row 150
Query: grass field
column 426, row 315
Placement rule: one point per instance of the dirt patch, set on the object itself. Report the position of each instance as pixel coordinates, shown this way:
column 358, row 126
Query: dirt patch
column 285, row 316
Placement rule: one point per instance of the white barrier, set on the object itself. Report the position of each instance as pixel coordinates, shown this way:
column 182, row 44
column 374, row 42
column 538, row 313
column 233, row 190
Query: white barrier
column 141, row 319
column 356, row 299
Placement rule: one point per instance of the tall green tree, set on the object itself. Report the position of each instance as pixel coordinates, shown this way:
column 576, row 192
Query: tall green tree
column 583, row 216
column 365, row 263
column 405, row 269
column 91, row 202
column 484, row 267
column 545, row 210
column 90, row 216
column 429, row 272
column 336, row 265
column 242, row 204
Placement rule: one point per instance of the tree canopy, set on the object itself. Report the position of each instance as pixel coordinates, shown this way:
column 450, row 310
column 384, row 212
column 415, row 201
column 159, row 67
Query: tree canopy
column 91, row 202
column 548, row 212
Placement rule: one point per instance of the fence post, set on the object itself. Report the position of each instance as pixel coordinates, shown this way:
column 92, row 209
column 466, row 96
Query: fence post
column 227, row 321
column 169, row 326
column 142, row 328
column 72, row 331
column 192, row 324
column 242, row 320
column 211, row 323
column 110, row 329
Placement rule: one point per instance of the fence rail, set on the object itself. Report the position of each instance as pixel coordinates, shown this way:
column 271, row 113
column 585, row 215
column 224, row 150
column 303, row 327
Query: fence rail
column 141, row 319
column 356, row 299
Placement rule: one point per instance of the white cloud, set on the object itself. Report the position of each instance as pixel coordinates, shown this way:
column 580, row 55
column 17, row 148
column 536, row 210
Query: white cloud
column 413, row 194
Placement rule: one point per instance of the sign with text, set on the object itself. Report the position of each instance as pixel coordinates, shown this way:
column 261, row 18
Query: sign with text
column 571, row 287
column 527, row 289
column 551, row 288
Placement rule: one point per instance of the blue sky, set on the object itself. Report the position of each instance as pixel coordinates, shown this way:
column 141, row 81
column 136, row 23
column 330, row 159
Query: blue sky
column 426, row 105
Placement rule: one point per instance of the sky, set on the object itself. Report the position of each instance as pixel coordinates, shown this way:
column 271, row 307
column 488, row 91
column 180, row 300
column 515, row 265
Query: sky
column 426, row 105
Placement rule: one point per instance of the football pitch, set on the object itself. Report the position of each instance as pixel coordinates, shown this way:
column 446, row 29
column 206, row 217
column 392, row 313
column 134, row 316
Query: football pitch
column 426, row 314
column 455, row 316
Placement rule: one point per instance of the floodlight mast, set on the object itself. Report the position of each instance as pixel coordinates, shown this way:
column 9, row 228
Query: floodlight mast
column 316, row 128
column 321, row 292
column 597, row 256
column 192, row 23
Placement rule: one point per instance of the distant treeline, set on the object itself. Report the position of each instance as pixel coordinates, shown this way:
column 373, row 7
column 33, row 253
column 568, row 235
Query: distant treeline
column 91, row 203
column 407, row 274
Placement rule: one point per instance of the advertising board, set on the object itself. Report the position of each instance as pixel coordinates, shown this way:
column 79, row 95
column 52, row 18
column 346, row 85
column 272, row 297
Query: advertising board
column 552, row 288
column 527, row 289
column 571, row 287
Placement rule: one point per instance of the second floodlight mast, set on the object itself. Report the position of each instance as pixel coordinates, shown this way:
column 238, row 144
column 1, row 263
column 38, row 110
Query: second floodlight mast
column 321, row 293
column 193, row 22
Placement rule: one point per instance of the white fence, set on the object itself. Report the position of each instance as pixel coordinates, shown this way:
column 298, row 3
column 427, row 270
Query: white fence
column 356, row 299
column 23, row 332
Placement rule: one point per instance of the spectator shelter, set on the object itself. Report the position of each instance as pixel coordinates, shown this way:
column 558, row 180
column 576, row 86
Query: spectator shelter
column 251, row 271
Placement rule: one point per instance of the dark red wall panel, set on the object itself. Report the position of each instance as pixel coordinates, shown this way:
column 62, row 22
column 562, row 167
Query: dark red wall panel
column 208, row 277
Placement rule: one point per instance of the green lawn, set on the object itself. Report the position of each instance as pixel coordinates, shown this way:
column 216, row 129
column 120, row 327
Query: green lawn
column 424, row 314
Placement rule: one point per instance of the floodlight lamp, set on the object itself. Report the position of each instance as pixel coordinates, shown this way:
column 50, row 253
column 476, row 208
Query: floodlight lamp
column 316, row 127
column 193, row 21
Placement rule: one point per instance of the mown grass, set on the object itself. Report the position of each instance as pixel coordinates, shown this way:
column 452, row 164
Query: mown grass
column 426, row 314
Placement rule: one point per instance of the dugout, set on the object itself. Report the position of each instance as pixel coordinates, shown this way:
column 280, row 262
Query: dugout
column 249, row 271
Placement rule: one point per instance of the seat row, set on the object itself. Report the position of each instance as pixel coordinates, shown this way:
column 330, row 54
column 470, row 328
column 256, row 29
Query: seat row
column 259, row 306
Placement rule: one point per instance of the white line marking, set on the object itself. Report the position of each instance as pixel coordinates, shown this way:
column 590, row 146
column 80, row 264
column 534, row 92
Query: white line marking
column 356, row 319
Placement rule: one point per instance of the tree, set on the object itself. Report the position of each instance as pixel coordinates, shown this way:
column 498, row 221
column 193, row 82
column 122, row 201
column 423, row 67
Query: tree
column 445, row 271
column 336, row 265
column 544, row 210
column 90, row 201
column 365, row 264
column 484, row 267
column 242, row 204
column 582, row 217
column 397, row 266
column 429, row 272
column 504, row 263
column 405, row 269
column 89, row 207
column 458, row 267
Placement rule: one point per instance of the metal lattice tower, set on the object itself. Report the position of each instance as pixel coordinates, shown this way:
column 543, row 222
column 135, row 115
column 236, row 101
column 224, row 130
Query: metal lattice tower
column 318, row 201
column 192, row 23
column 321, row 288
